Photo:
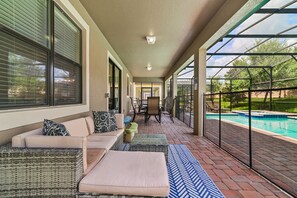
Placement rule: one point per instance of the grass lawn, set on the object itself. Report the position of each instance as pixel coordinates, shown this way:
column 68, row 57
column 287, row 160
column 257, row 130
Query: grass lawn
column 278, row 104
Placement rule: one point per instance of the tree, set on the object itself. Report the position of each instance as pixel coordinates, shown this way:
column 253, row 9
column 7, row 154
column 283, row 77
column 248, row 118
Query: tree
column 260, row 77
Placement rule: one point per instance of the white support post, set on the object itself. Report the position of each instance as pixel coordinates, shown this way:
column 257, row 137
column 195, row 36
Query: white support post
column 174, row 88
column 199, row 89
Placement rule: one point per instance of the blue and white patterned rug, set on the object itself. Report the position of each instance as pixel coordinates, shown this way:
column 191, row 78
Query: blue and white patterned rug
column 186, row 176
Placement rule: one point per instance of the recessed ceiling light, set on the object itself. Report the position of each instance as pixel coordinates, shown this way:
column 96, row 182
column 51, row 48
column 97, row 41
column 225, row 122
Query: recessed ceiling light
column 149, row 67
column 150, row 40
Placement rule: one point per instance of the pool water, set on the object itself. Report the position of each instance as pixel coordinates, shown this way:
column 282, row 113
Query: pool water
column 283, row 126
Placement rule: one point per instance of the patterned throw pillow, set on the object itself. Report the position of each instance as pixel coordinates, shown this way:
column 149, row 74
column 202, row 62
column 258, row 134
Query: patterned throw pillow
column 112, row 121
column 51, row 128
column 104, row 121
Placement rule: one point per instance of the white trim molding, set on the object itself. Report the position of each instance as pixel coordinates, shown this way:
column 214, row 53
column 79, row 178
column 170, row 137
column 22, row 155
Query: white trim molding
column 110, row 56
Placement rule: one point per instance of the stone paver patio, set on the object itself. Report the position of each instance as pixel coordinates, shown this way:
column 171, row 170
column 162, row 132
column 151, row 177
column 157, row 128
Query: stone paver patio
column 232, row 177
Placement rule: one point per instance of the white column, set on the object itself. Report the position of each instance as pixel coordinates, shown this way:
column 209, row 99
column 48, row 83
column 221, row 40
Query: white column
column 174, row 85
column 165, row 88
column 174, row 88
column 199, row 89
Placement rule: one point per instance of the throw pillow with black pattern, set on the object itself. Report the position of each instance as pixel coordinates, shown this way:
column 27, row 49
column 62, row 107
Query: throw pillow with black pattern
column 112, row 121
column 101, row 121
column 51, row 128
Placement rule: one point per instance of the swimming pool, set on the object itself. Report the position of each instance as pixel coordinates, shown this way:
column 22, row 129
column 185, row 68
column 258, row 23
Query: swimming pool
column 281, row 125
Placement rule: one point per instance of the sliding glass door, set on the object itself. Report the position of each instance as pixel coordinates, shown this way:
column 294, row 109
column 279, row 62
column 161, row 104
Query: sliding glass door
column 115, row 87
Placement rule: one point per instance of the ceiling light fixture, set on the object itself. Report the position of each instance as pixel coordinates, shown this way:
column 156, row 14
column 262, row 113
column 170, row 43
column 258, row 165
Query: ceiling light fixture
column 150, row 40
column 149, row 67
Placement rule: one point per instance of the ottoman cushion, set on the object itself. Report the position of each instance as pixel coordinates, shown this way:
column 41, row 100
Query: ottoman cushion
column 128, row 173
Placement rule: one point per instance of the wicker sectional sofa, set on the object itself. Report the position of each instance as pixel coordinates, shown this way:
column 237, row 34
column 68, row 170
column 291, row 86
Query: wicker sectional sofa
column 85, row 164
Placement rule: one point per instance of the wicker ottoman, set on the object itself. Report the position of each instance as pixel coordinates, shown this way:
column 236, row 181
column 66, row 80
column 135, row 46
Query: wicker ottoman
column 150, row 143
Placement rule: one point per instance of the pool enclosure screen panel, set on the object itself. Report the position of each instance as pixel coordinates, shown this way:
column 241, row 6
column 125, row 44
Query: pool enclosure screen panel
column 274, row 145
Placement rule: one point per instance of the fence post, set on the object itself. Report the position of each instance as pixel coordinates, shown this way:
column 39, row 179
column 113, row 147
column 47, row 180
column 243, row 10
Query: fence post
column 177, row 107
column 250, row 128
column 270, row 87
column 204, row 113
column 190, row 105
column 220, row 118
column 184, row 108
column 231, row 96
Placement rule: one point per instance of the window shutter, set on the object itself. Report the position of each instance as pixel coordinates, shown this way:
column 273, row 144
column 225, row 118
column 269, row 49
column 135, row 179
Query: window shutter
column 67, row 83
column 67, row 37
column 26, row 17
column 22, row 73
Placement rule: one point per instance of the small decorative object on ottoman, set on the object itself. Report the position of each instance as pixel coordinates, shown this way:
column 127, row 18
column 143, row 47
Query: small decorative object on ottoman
column 150, row 143
column 130, row 131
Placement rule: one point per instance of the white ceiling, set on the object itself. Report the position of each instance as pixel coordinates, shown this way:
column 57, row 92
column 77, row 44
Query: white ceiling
column 175, row 23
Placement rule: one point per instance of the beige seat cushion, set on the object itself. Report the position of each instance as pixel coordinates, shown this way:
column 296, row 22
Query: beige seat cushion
column 128, row 173
column 102, row 142
column 116, row 133
column 77, row 127
column 93, row 157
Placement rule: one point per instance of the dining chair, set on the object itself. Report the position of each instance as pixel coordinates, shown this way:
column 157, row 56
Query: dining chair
column 153, row 109
column 137, row 111
column 168, row 107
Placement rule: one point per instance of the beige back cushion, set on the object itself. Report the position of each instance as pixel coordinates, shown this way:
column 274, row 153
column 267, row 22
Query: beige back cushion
column 19, row 140
column 120, row 120
column 90, row 124
column 77, row 127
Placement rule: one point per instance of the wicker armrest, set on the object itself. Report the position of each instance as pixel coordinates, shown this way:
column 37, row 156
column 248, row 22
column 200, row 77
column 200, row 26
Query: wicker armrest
column 40, row 171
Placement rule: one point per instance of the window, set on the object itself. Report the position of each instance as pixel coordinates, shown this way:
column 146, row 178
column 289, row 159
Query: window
column 67, row 60
column 22, row 73
column 144, row 90
column 33, row 70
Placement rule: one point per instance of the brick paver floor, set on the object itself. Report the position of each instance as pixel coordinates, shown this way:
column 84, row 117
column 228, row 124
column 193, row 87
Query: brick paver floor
column 232, row 177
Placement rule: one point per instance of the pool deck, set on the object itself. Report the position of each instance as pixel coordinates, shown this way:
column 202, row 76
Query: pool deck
column 232, row 177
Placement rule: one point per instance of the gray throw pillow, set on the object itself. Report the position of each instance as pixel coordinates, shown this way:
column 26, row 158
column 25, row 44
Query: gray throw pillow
column 51, row 128
column 104, row 121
